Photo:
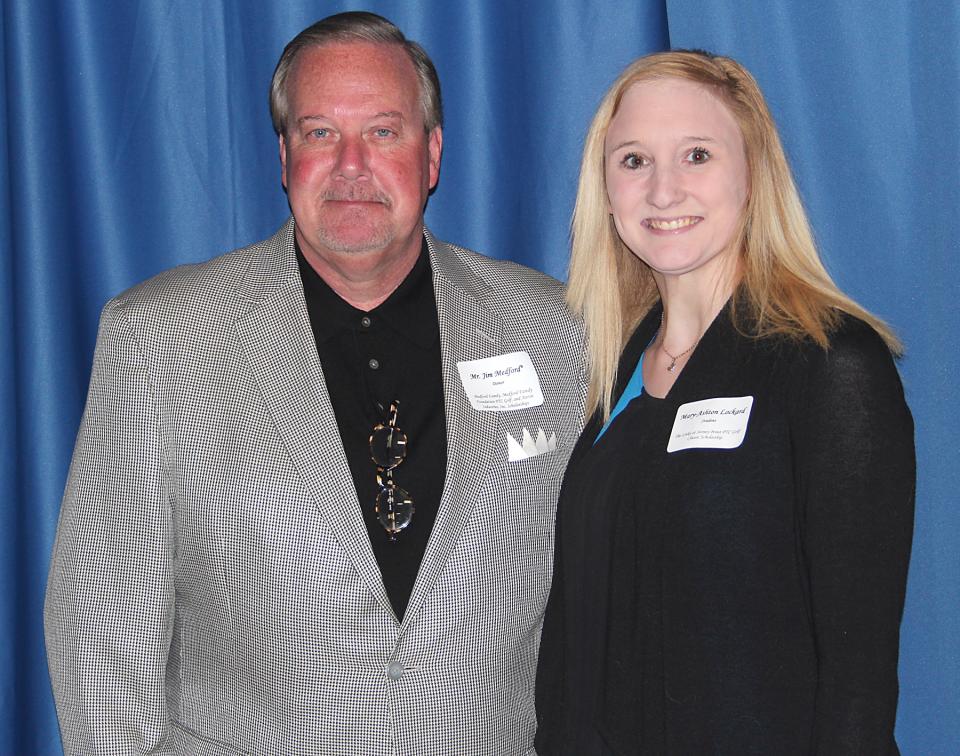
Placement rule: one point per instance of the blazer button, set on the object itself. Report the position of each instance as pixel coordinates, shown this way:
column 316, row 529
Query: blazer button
column 395, row 670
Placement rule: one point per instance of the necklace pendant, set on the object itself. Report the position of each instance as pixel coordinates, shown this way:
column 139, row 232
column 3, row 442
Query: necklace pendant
column 672, row 366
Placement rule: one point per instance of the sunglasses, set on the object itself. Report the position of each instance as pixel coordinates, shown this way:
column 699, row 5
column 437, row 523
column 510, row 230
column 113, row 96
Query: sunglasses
column 388, row 448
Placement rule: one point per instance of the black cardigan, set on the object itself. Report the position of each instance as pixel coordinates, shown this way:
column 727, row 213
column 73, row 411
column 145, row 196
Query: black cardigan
column 740, row 601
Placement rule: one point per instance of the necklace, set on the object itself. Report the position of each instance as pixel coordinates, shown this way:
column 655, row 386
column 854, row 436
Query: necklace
column 674, row 357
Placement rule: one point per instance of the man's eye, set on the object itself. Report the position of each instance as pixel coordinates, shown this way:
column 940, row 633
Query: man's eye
column 383, row 133
column 320, row 133
column 632, row 161
column 698, row 155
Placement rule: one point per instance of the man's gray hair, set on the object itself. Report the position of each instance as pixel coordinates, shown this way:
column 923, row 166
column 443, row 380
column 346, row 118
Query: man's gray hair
column 351, row 27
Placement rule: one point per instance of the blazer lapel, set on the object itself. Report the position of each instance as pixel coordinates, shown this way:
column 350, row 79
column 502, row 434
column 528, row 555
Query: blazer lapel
column 275, row 336
column 468, row 331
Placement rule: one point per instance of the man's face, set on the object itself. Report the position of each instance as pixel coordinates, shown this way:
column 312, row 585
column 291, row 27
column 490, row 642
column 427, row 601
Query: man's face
column 357, row 165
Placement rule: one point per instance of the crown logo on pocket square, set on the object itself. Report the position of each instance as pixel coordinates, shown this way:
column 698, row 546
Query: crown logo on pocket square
column 529, row 447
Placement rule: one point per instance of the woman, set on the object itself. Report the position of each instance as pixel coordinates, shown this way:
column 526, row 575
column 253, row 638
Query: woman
column 735, row 523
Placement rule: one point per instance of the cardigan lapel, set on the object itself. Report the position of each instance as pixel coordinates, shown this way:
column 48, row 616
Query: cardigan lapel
column 275, row 336
column 468, row 331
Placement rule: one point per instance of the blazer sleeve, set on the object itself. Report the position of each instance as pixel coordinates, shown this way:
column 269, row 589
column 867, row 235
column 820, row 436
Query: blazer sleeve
column 856, row 471
column 110, row 596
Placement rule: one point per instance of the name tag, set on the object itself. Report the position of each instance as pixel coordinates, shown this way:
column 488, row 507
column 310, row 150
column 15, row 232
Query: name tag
column 719, row 423
column 502, row 383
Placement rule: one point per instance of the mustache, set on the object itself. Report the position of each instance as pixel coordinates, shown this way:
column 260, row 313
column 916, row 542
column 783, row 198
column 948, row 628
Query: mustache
column 356, row 194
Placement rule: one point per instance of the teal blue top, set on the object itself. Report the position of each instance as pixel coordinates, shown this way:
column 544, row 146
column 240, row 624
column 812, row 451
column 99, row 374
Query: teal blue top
column 634, row 389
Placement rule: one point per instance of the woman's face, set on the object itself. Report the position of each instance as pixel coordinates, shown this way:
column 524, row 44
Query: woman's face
column 676, row 176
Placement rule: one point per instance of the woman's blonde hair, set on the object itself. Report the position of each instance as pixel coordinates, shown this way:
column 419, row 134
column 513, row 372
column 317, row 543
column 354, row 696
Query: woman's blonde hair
column 784, row 287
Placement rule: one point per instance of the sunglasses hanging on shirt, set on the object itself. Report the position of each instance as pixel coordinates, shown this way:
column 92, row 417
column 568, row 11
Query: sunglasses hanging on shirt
column 388, row 448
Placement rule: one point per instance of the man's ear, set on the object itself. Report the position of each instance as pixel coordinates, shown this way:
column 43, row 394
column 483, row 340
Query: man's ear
column 283, row 161
column 434, row 151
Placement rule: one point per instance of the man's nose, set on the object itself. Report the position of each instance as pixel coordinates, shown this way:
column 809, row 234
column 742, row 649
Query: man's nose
column 665, row 188
column 353, row 158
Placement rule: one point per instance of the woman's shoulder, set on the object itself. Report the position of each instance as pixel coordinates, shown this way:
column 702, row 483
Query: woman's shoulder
column 855, row 360
column 854, row 347
column 852, row 333
column 851, row 341
column 856, row 369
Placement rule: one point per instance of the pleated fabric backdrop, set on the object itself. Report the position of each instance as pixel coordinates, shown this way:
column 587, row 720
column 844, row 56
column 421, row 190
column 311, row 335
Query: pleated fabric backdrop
column 135, row 136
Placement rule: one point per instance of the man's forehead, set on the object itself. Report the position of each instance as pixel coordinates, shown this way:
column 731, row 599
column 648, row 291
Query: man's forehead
column 357, row 70
column 358, row 58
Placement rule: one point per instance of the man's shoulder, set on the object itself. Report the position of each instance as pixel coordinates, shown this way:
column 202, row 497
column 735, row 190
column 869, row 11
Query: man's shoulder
column 500, row 279
column 205, row 285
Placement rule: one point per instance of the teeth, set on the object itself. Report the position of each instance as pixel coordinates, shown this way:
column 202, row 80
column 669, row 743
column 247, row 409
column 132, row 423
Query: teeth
column 671, row 225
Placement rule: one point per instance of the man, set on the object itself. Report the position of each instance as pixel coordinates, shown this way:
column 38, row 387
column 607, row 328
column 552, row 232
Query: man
column 311, row 504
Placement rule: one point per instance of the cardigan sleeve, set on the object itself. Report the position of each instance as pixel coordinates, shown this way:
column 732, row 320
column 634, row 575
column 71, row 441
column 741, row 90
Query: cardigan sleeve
column 550, row 664
column 855, row 467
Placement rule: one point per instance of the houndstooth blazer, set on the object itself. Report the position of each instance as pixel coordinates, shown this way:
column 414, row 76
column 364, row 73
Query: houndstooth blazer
column 213, row 589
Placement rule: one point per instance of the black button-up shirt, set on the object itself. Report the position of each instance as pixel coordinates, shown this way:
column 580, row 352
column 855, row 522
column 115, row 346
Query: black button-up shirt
column 370, row 359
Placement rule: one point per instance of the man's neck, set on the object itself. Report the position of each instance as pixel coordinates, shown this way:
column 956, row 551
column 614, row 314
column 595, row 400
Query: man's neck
column 364, row 279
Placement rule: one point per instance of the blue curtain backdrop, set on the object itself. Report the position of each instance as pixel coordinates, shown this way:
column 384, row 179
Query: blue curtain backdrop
column 135, row 136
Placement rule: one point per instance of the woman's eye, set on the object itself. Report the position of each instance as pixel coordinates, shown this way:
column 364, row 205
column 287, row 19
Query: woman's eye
column 632, row 161
column 698, row 155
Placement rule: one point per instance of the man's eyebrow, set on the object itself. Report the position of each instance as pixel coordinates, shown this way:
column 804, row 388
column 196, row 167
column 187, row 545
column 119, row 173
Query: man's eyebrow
column 301, row 119
column 382, row 114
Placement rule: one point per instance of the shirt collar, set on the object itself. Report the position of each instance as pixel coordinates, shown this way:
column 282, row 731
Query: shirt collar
column 410, row 311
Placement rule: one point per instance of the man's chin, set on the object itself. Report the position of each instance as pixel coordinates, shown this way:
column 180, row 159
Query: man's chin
column 353, row 243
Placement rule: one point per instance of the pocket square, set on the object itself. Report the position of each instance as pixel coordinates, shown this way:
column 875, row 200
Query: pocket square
column 530, row 448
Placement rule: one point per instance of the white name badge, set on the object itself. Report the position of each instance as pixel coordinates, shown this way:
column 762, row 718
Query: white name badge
column 719, row 423
column 501, row 383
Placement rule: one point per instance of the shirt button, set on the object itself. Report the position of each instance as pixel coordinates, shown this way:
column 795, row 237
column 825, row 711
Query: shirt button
column 374, row 364
column 395, row 670
column 365, row 321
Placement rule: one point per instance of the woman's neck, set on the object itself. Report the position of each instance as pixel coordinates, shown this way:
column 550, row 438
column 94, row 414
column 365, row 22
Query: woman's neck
column 689, row 307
